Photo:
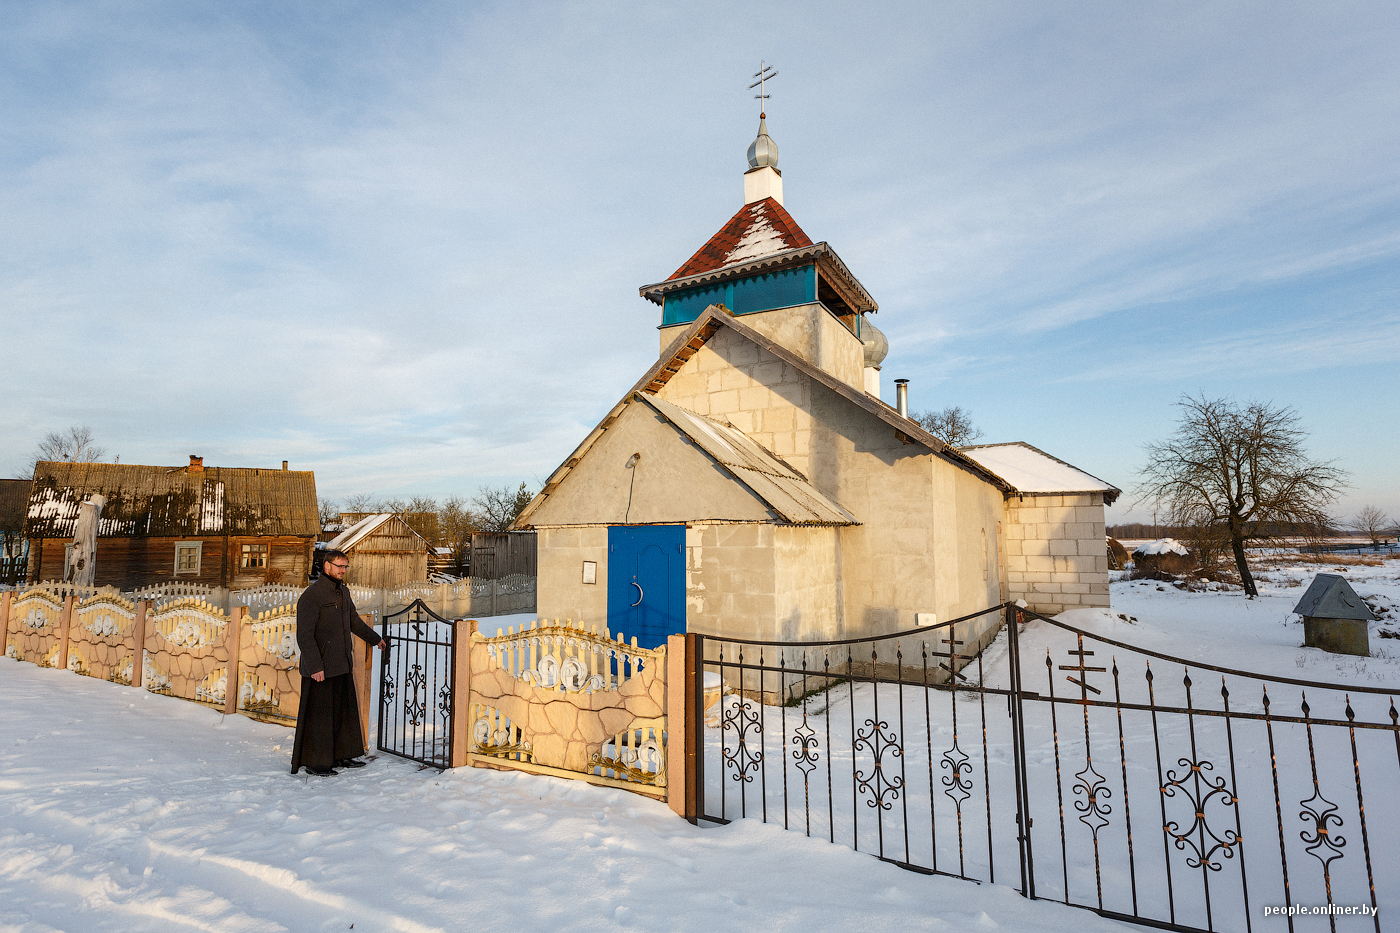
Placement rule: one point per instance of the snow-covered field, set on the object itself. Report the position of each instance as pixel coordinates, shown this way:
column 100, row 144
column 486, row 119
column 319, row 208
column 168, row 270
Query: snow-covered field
column 123, row 810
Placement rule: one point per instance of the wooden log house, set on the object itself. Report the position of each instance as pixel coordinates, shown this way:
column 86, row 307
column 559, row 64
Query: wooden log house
column 219, row 526
column 14, row 499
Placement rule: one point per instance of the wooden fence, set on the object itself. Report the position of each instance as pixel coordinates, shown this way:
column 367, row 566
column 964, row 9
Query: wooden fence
column 496, row 556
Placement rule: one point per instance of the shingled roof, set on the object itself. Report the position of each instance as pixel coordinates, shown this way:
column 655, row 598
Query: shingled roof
column 160, row 501
column 759, row 229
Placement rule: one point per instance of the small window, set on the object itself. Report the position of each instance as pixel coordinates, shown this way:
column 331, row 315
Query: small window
column 254, row 556
column 187, row 556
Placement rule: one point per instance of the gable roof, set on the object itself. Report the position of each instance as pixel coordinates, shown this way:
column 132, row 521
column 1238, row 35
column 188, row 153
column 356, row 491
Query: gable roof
column 762, row 237
column 758, row 229
column 162, row 501
column 710, row 321
column 1330, row 596
column 1034, row 472
column 367, row 526
column 785, row 490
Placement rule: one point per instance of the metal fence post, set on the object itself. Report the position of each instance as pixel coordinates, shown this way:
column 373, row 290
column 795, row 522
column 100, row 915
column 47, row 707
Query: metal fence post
column 1018, row 753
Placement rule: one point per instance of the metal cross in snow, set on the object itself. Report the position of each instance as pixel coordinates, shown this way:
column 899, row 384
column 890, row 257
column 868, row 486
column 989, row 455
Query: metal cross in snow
column 765, row 73
column 952, row 653
column 1083, row 682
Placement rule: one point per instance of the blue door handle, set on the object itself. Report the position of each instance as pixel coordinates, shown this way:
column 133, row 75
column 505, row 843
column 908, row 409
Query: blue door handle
column 640, row 594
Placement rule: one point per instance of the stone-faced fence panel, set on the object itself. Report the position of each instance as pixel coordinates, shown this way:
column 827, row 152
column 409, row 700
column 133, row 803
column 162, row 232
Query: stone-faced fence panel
column 36, row 628
column 102, row 638
column 188, row 651
column 269, row 677
column 574, row 702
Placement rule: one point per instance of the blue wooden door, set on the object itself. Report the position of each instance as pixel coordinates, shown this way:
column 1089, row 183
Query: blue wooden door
column 646, row 582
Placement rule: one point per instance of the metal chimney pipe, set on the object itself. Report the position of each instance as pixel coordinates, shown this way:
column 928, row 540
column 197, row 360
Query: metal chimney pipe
column 901, row 396
column 284, row 466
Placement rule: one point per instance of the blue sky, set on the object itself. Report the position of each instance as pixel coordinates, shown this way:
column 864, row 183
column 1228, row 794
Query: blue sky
column 400, row 244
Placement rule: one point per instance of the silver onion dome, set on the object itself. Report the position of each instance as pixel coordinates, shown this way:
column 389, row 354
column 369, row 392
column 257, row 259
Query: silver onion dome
column 877, row 345
column 763, row 151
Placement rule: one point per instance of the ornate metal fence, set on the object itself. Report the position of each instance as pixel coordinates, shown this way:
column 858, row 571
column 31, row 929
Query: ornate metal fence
column 415, row 686
column 1077, row 766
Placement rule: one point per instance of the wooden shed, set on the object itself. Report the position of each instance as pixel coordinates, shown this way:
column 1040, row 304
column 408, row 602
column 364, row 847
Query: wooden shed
column 220, row 526
column 384, row 551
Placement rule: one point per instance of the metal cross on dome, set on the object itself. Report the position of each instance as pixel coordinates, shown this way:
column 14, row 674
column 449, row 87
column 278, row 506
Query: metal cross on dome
column 765, row 73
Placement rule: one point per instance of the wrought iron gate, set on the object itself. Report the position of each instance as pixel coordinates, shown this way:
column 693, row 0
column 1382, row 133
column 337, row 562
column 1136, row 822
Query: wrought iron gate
column 1074, row 765
column 415, row 686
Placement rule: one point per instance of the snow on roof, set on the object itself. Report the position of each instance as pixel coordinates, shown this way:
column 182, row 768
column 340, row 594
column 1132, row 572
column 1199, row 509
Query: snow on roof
column 1035, row 472
column 1161, row 546
column 357, row 532
column 758, row 229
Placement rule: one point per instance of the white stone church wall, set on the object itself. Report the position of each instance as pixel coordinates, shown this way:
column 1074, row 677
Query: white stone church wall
column 1055, row 553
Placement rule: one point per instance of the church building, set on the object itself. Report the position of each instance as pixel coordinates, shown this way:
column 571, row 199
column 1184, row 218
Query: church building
column 754, row 484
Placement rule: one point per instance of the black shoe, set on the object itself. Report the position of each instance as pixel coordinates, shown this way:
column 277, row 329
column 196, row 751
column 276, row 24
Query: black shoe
column 350, row 763
column 322, row 772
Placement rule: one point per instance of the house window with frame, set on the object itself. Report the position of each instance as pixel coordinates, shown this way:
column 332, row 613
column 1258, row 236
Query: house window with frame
column 187, row 555
column 254, row 557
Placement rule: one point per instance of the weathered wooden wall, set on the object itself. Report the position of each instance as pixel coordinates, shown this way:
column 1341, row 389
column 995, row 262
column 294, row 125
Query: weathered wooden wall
column 499, row 555
column 130, row 563
column 391, row 555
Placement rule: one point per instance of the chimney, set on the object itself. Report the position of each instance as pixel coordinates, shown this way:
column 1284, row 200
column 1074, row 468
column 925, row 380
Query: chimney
column 284, row 466
column 196, row 464
column 901, row 395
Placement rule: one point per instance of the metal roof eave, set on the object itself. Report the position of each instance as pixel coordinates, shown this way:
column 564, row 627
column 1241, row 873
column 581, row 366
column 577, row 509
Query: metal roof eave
column 821, row 252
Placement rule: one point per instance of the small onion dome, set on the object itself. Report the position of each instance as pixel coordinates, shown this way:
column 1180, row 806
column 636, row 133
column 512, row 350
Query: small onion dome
column 763, row 151
column 877, row 345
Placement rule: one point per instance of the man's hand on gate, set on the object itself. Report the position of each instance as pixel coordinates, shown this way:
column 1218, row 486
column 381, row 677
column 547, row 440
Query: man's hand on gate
column 383, row 644
column 318, row 676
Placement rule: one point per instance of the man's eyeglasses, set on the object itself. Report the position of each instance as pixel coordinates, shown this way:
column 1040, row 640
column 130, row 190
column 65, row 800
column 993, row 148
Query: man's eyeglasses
column 339, row 566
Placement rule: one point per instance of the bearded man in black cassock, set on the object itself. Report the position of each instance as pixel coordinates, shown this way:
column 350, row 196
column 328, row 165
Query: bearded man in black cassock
column 328, row 722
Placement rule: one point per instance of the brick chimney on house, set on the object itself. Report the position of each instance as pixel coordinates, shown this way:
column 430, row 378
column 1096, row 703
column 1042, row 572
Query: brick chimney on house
column 196, row 464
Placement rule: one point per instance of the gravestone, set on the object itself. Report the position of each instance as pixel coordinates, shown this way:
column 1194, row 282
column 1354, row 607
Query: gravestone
column 1334, row 617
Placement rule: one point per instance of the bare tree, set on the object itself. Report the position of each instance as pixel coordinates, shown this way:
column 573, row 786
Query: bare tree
column 328, row 511
column 75, row 445
column 496, row 508
column 953, row 425
column 361, row 502
column 1373, row 523
column 456, row 522
column 1240, row 470
column 421, row 514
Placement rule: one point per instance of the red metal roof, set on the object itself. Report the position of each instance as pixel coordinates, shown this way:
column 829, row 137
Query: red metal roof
column 759, row 229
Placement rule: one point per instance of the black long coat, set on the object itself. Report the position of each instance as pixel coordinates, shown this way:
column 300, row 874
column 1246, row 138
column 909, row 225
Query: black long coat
column 326, row 618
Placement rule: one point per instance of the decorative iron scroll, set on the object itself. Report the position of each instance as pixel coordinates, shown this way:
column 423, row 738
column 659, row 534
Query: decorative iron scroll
column 881, row 741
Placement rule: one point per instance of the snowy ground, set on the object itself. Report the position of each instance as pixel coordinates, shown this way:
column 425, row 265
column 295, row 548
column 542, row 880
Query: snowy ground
column 123, row 810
